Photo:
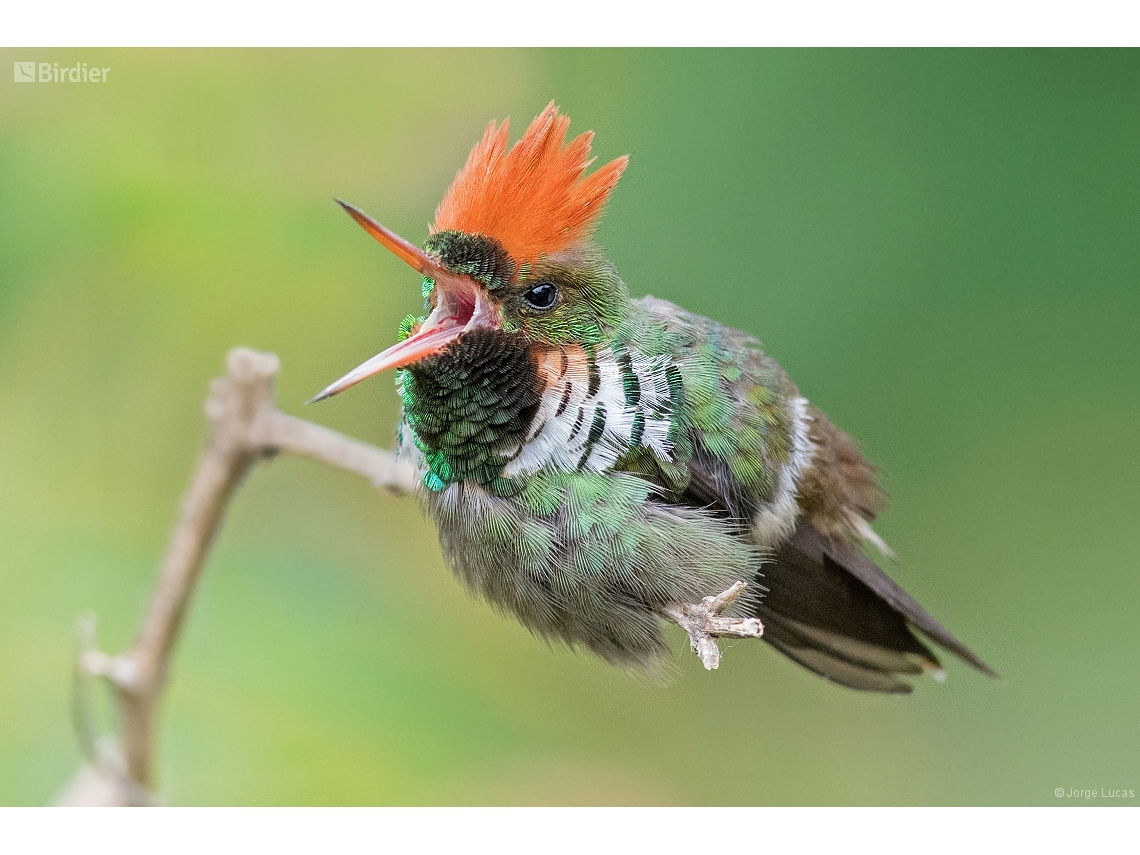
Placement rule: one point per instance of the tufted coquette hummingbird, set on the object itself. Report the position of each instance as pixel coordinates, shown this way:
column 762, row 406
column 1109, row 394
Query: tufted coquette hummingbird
column 591, row 460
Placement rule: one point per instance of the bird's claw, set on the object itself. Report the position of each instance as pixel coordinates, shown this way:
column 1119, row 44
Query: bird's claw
column 705, row 624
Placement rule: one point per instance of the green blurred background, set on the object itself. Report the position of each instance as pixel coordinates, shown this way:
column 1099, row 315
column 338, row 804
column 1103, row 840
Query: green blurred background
column 940, row 246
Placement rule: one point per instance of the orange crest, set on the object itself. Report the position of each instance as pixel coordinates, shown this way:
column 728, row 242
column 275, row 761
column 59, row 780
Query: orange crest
column 533, row 199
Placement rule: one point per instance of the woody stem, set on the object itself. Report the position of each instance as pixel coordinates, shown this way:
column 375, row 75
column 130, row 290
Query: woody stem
column 246, row 428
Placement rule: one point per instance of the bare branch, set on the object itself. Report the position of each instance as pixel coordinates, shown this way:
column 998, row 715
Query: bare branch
column 245, row 429
column 103, row 779
column 286, row 433
column 704, row 624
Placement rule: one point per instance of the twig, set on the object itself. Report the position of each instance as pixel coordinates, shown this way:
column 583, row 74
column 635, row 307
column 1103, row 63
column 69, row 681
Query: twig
column 246, row 428
column 704, row 624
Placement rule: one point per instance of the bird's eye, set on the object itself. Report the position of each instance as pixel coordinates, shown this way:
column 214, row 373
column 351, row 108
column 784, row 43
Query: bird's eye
column 541, row 296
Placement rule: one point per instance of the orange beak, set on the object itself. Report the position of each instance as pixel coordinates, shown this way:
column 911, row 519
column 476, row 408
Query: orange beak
column 461, row 303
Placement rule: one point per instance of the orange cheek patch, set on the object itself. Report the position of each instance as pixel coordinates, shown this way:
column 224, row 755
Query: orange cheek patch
column 558, row 366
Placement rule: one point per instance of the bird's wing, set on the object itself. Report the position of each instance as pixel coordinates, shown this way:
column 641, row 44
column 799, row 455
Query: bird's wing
column 796, row 486
column 827, row 606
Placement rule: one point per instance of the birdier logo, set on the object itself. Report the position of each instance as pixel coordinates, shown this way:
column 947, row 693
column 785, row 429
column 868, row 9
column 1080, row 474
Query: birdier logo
column 51, row 72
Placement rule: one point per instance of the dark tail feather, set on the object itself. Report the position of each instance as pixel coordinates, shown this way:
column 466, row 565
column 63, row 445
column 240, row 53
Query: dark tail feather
column 831, row 609
column 830, row 666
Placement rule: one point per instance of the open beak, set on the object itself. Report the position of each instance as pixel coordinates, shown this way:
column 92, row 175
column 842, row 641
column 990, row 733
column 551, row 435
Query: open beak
column 461, row 303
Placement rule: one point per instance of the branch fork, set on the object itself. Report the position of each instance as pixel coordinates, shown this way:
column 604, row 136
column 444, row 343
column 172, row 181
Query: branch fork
column 246, row 427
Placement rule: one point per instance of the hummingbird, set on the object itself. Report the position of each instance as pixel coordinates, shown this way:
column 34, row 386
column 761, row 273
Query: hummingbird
column 592, row 460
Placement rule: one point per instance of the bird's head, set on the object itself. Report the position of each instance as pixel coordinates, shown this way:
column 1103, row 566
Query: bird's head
column 510, row 249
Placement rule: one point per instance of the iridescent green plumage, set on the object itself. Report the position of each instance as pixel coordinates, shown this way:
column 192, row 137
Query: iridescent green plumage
column 592, row 462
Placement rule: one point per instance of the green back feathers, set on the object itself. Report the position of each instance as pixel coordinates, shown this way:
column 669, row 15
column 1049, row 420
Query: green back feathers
column 733, row 400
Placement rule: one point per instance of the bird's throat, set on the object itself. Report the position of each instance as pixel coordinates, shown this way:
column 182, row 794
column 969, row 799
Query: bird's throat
column 469, row 405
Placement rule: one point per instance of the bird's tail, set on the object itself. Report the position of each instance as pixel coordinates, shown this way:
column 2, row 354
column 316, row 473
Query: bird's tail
column 831, row 609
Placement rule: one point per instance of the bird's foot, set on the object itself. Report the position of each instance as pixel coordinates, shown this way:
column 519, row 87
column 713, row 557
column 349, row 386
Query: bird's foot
column 704, row 624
